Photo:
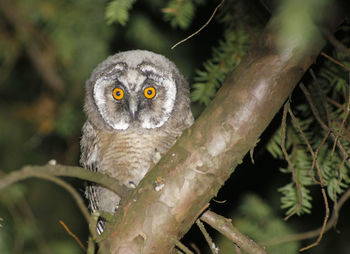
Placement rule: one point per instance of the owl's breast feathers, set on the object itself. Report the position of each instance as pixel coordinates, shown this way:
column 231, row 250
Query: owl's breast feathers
column 127, row 155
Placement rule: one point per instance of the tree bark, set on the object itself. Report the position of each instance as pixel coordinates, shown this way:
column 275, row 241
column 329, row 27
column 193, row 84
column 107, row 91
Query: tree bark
column 177, row 190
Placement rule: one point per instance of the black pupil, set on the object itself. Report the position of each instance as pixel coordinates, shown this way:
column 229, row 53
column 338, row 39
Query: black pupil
column 149, row 92
column 118, row 93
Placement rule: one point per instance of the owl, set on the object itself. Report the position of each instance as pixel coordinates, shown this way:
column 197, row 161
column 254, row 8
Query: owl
column 137, row 104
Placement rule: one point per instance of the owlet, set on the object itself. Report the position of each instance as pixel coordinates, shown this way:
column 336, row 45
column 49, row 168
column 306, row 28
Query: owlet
column 137, row 104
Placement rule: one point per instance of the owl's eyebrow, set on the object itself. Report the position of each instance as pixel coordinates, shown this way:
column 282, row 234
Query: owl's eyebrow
column 118, row 67
column 148, row 69
column 111, row 72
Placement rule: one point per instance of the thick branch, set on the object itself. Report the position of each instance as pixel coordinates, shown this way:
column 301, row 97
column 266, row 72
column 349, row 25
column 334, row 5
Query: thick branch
column 193, row 171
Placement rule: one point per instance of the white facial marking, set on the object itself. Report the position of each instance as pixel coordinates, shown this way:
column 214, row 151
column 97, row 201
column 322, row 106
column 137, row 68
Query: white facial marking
column 170, row 96
column 100, row 100
column 117, row 67
column 149, row 68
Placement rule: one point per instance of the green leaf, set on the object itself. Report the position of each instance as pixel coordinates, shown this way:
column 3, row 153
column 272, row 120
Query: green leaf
column 118, row 11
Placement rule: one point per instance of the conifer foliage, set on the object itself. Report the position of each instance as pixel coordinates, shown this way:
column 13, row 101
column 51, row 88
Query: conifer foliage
column 48, row 49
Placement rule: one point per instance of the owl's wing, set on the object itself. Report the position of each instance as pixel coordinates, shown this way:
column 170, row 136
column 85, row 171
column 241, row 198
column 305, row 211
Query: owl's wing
column 88, row 146
column 189, row 119
column 89, row 160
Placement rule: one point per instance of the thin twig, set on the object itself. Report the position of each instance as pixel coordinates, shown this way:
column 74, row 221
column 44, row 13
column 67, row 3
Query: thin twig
column 335, row 103
column 49, row 172
column 322, row 124
column 225, row 227
column 296, row 123
column 313, row 233
column 323, row 225
column 207, row 237
column 324, row 100
column 75, row 195
column 183, row 247
column 195, row 248
column 200, row 29
column 335, row 61
column 290, row 164
column 69, row 171
column 72, row 234
column 347, row 110
column 337, row 44
column 313, row 154
column 68, row 188
column 323, row 141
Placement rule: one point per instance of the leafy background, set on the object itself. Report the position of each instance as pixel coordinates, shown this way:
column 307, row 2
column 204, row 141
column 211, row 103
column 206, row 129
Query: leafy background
column 41, row 113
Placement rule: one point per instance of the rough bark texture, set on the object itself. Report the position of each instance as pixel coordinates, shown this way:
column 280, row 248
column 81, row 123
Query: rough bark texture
column 176, row 191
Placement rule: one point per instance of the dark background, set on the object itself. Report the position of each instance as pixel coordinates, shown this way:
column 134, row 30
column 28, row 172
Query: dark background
column 39, row 122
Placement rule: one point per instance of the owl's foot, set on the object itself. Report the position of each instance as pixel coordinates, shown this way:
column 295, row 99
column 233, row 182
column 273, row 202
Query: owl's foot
column 101, row 214
column 100, row 218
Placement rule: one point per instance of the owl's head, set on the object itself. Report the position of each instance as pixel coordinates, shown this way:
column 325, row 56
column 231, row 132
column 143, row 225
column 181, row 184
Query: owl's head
column 135, row 89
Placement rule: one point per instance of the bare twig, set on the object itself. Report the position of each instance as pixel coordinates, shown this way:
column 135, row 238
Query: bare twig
column 323, row 225
column 313, row 233
column 49, row 172
column 337, row 44
column 72, row 235
column 195, row 248
column 74, row 195
column 335, row 61
column 62, row 170
column 347, row 110
column 324, row 100
column 225, row 227
column 290, row 164
column 313, row 154
column 322, row 124
column 207, row 237
column 336, row 104
column 183, row 247
column 200, row 29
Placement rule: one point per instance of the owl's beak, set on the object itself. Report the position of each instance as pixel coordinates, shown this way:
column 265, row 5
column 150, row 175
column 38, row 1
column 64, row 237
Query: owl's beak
column 133, row 106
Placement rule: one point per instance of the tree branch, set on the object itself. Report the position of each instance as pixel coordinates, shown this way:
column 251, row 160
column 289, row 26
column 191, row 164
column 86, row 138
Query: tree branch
column 206, row 154
column 225, row 227
column 69, row 171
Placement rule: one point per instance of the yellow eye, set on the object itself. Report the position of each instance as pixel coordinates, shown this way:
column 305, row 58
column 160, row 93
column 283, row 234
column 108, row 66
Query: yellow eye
column 149, row 92
column 118, row 93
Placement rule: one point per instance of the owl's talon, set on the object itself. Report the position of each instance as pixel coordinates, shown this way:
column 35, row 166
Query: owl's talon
column 107, row 216
column 95, row 215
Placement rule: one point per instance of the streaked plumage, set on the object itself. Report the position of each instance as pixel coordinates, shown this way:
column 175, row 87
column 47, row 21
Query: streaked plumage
column 124, row 137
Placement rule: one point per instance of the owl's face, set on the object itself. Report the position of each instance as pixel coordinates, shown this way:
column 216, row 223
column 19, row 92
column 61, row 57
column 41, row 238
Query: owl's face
column 134, row 89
